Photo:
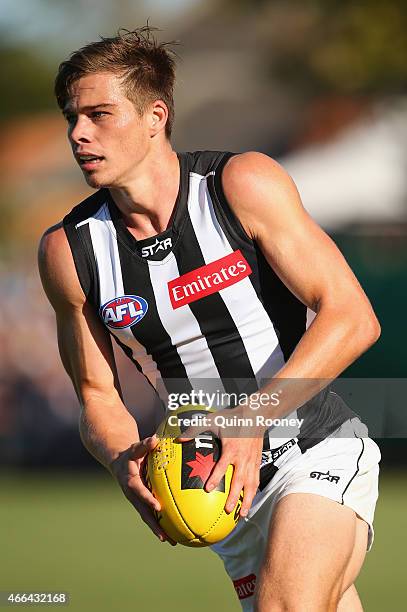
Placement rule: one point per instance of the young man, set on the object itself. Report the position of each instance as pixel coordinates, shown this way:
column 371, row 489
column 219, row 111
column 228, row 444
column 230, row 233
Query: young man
column 201, row 267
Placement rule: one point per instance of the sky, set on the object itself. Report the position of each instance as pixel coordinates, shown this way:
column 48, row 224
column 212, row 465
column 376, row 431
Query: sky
column 59, row 23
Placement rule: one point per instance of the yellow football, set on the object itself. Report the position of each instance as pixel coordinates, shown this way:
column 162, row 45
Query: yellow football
column 177, row 473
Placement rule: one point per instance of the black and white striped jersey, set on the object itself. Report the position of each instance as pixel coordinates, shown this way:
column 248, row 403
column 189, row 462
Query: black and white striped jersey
column 197, row 306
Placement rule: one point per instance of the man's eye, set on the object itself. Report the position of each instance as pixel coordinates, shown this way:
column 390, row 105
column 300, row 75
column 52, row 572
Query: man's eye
column 98, row 114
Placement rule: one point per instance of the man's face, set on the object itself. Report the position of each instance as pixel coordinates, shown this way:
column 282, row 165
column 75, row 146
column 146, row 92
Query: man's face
column 107, row 135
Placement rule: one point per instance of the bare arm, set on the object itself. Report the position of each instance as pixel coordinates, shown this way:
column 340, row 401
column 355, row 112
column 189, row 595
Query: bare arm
column 266, row 201
column 107, row 429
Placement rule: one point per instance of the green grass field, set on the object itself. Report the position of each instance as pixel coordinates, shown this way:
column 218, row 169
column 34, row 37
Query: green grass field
column 77, row 533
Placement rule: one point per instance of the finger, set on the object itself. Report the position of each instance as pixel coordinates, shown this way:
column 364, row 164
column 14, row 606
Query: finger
column 170, row 540
column 250, row 489
column 149, row 519
column 234, row 493
column 151, row 442
column 190, row 434
column 137, row 488
column 143, row 447
column 249, row 493
column 218, row 473
column 195, row 431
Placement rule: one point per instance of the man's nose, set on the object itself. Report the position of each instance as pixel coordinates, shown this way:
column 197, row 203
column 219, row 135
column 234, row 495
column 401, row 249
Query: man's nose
column 81, row 131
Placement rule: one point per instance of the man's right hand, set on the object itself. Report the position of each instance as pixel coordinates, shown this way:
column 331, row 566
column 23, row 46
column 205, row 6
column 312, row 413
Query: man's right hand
column 128, row 469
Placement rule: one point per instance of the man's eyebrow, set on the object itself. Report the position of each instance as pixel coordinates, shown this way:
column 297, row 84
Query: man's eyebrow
column 86, row 109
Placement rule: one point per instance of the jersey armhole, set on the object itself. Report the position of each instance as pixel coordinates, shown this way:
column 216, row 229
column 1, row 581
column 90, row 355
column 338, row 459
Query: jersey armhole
column 228, row 219
column 82, row 260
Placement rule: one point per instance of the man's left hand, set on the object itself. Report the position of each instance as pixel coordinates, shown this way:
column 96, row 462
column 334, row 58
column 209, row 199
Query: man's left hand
column 243, row 452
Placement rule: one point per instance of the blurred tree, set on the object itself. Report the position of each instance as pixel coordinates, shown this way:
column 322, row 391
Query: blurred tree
column 379, row 260
column 333, row 46
column 26, row 82
column 36, row 35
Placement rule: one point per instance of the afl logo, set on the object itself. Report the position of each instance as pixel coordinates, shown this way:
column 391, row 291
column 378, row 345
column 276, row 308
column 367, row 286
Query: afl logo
column 124, row 311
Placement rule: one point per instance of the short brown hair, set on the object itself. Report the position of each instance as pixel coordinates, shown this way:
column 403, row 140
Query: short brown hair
column 147, row 68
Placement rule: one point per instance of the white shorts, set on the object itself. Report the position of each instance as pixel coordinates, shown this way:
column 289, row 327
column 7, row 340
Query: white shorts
column 343, row 467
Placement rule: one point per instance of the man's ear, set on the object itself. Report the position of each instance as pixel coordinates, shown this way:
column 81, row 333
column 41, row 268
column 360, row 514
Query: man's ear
column 158, row 117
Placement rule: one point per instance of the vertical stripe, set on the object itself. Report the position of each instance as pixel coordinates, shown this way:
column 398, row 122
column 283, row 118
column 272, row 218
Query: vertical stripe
column 107, row 256
column 150, row 332
column 93, row 294
column 246, row 309
column 286, row 312
column 248, row 313
column 76, row 226
column 284, row 309
column 184, row 330
column 215, row 321
column 356, row 471
column 103, row 236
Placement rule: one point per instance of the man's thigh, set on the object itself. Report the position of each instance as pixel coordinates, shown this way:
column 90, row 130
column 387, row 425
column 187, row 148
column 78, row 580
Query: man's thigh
column 349, row 492
column 313, row 553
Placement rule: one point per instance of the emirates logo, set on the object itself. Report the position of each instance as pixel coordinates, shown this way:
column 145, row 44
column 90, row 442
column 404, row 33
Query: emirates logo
column 208, row 279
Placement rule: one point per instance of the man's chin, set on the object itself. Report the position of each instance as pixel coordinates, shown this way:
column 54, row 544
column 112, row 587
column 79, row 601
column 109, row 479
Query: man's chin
column 97, row 182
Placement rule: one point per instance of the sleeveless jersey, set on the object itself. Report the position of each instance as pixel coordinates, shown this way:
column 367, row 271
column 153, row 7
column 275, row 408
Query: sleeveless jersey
column 197, row 306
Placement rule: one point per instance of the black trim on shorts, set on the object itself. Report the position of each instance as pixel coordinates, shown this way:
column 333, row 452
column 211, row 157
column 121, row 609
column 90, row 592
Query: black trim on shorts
column 356, row 473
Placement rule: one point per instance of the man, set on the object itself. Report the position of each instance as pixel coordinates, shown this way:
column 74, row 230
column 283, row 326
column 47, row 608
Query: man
column 201, row 267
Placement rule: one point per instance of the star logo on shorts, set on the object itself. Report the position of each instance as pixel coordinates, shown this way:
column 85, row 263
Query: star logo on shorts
column 325, row 476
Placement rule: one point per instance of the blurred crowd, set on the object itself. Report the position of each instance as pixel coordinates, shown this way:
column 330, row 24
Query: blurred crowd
column 37, row 402
column 38, row 407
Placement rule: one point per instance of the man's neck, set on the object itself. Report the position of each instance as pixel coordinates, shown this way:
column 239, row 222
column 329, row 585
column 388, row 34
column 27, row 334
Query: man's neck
column 147, row 202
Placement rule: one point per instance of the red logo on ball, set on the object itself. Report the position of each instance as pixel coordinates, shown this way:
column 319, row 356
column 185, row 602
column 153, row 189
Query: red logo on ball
column 202, row 466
